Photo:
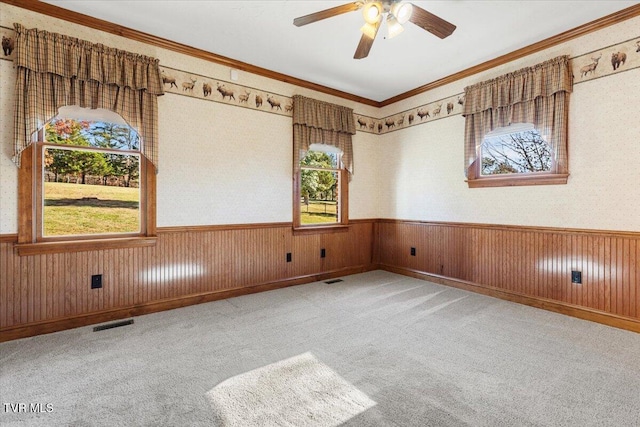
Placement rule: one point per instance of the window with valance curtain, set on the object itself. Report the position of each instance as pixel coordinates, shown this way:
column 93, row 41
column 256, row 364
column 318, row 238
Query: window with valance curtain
column 318, row 122
column 54, row 70
column 538, row 95
column 321, row 184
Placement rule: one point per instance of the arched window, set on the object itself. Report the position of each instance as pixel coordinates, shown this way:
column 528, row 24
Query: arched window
column 89, row 169
column 515, row 149
column 516, row 127
column 88, row 181
column 54, row 72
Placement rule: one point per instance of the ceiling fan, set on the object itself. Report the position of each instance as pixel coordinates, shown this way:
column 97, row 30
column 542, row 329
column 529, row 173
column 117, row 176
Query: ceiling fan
column 395, row 12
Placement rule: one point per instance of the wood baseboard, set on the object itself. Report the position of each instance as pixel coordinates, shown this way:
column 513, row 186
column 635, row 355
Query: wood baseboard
column 542, row 303
column 56, row 325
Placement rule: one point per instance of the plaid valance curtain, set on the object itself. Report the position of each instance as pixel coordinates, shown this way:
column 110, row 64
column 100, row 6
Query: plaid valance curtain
column 538, row 95
column 318, row 122
column 54, row 70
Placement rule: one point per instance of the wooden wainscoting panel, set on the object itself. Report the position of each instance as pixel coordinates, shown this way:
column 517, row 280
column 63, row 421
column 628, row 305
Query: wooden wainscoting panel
column 344, row 249
column 305, row 252
column 185, row 266
column 527, row 261
column 592, row 315
column 47, row 292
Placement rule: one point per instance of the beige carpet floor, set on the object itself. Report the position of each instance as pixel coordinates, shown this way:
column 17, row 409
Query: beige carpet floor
column 300, row 391
column 428, row 355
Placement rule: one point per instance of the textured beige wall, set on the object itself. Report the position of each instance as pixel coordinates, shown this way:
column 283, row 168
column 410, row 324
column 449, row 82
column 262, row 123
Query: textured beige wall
column 424, row 175
column 218, row 164
column 221, row 164
column 8, row 175
column 233, row 166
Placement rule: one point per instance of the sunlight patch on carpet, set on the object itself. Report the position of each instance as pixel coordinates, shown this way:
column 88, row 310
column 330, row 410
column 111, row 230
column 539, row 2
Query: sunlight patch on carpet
column 299, row 391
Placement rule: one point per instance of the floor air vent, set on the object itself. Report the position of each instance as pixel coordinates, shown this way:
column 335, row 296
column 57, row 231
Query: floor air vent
column 329, row 282
column 113, row 325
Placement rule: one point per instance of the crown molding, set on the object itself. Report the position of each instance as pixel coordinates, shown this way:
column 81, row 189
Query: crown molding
column 598, row 24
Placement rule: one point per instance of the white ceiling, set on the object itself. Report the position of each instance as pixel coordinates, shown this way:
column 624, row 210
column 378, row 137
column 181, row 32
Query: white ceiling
column 262, row 33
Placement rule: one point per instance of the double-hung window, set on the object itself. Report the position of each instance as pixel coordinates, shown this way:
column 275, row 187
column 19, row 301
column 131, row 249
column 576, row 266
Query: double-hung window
column 320, row 187
column 322, row 164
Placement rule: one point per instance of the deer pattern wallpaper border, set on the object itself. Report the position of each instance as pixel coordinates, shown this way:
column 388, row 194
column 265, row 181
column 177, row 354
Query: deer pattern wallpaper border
column 624, row 56
column 194, row 85
column 617, row 58
column 434, row 110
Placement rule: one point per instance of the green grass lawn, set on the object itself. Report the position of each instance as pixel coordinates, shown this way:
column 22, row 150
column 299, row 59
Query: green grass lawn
column 71, row 209
column 319, row 212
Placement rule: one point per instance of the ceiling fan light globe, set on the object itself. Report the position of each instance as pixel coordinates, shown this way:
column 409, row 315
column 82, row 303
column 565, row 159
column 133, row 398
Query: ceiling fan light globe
column 393, row 27
column 369, row 30
column 402, row 11
column 372, row 12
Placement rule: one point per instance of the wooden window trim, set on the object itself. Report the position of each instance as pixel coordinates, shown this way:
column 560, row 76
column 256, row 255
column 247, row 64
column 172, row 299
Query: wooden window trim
column 29, row 196
column 341, row 226
column 520, row 180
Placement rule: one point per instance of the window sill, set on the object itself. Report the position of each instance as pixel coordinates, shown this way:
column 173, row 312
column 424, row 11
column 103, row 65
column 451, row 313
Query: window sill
column 26, row 249
column 320, row 229
column 510, row 181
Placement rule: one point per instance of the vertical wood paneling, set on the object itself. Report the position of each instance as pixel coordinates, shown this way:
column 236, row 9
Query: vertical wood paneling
column 6, row 266
column 617, row 281
column 526, row 261
column 186, row 262
column 636, row 283
column 530, row 262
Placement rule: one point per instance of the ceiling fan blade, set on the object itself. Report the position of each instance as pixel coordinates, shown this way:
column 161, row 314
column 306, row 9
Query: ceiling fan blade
column 328, row 13
column 362, row 51
column 432, row 23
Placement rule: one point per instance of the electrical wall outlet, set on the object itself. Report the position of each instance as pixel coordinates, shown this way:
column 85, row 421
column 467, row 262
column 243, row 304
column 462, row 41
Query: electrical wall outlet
column 576, row 276
column 413, row 251
column 288, row 256
column 96, row 281
column 323, row 253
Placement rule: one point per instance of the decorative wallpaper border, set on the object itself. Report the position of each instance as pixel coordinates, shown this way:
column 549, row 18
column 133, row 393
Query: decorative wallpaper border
column 434, row 110
column 210, row 89
column 606, row 61
column 614, row 59
column 623, row 56
column 195, row 85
